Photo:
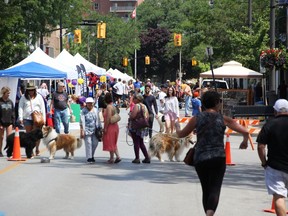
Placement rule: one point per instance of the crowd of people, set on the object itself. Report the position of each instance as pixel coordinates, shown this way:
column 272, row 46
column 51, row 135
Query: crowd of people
column 147, row 102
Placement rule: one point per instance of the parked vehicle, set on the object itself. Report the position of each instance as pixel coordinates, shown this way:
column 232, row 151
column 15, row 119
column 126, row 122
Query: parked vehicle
column 222, row 84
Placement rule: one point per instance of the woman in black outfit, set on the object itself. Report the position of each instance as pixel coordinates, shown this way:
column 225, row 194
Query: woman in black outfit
column 7, row 115
column 209, row 158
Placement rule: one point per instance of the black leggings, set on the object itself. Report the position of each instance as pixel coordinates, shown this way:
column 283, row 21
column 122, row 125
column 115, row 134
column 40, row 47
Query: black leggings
column 211, row 174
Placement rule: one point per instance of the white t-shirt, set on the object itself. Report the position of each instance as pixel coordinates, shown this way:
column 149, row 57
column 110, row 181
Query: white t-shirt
column 119, row 88
column 161, row 96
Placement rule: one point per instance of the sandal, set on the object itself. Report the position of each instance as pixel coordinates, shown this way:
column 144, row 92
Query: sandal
column 111, row 161
column 117, row 160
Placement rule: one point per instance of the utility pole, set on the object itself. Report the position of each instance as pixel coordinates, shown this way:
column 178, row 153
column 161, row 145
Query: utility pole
column 250, row 14
column 61, row 37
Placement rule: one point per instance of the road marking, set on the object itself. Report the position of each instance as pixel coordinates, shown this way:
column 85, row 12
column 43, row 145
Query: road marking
column 6, row 169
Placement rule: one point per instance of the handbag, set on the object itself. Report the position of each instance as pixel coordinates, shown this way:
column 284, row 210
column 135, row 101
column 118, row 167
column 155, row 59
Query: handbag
column 115, row 118
column 99, row 133
column 189, row 158
column 37, row 118
column 141, row 122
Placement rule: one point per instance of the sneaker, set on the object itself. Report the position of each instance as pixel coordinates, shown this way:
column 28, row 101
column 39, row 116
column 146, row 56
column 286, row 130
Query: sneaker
column 89, row 161
column 1, row 155
column 93, row 160
column 146, row 160
column 136, row 161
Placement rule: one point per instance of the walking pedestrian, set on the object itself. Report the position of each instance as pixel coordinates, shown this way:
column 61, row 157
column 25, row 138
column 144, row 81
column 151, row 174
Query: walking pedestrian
column 138, row 134
column 209, row 158
column 111, row 131
column 89, row 123
column 7, row 115
column 29, row 102
column 62, row 108
column 171, row 110
column 150, row 101
column 274, row 135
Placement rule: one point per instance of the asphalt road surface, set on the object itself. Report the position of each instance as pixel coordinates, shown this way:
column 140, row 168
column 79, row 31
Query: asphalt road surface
column 74, row 188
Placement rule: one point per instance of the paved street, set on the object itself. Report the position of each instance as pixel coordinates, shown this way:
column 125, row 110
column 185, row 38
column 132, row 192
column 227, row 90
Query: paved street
column 73, row 188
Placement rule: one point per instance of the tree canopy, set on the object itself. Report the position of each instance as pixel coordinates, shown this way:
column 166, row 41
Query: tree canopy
column 223, row 25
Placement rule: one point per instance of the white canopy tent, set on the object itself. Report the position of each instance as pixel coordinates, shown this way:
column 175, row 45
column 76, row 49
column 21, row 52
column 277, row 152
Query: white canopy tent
column 68, row 60
column 41, row 57
column 118, row 74
column 89, row 67
column 232, row 69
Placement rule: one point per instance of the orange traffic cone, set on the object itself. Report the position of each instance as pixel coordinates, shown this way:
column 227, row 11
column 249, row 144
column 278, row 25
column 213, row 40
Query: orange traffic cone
column 272, row 210
column 228, row 151
column 16, row 156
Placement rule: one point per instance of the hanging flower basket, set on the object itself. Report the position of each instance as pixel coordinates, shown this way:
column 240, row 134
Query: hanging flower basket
column 272, row 57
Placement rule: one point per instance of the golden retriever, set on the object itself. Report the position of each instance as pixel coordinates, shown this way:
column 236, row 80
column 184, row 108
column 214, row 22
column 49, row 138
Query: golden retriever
column 169, row 143
column 54, row 142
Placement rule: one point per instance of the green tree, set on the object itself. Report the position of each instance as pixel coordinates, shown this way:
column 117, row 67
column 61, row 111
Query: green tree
column 24, row 22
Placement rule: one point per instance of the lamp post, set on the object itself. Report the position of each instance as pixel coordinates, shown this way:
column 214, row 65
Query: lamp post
column 209, row 53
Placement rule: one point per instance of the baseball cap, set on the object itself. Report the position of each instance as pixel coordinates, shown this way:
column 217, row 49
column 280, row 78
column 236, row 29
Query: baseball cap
column 89, row 100
column 164, row 86
column 196, row 94
column 281, row 105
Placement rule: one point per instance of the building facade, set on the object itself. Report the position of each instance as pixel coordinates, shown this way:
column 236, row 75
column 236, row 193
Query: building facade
column 122, row 8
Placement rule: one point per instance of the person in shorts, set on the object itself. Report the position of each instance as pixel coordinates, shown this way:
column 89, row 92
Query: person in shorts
column 274, row 135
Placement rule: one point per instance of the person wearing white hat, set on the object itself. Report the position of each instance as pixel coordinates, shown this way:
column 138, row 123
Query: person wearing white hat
column 274, row 135
column 89, row 123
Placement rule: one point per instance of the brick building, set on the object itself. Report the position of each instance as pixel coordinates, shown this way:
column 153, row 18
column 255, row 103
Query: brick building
column 122, row 8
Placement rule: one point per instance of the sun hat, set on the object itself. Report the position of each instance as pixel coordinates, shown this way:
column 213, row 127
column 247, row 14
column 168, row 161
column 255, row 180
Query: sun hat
column 30, row 86
column 89, row 100
column 281, row 105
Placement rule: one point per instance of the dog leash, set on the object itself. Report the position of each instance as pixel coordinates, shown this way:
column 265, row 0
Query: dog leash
column 127, row 132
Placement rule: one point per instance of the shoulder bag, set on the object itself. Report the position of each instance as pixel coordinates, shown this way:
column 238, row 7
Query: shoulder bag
column 141, row 122
column 37, row 117
column 116, row 117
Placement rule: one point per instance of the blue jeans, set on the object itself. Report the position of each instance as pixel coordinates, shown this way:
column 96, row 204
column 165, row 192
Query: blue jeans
column 61, row 115
column 187, row 105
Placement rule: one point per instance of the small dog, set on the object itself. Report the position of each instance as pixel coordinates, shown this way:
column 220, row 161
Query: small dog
column 27, row 141
column 54, row 141
column 168, row 143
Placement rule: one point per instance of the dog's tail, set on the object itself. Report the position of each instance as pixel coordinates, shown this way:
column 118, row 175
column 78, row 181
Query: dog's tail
column 79, row 142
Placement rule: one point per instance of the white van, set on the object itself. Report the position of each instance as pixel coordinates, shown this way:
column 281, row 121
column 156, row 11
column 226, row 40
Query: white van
column 222, row 84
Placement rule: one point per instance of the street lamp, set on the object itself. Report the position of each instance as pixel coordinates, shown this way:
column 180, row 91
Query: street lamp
column 209, row 53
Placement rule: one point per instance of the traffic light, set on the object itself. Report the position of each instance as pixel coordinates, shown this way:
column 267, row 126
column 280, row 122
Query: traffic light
column 125, row 62
column 147, row 60
column 194, row 62
column 177, row 40
column 101, row 30
column 77, row 36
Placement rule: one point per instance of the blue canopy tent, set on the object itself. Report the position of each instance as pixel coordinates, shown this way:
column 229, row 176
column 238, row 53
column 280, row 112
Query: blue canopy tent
column 31, row 70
